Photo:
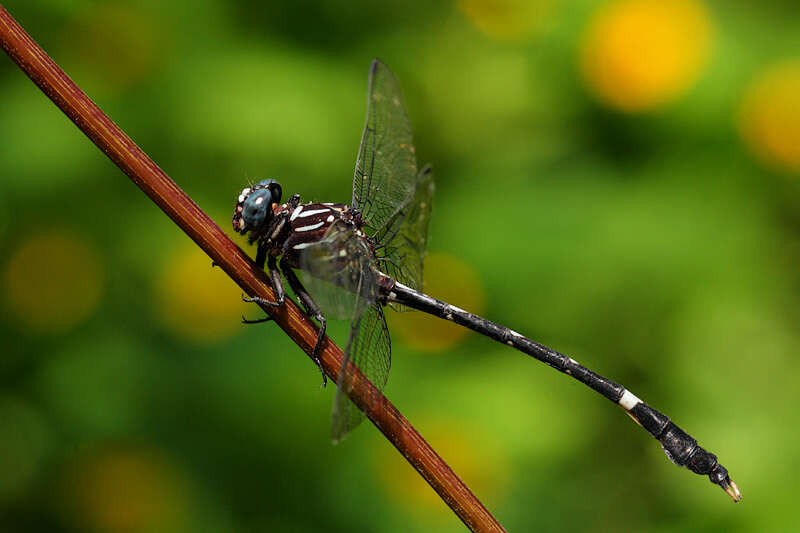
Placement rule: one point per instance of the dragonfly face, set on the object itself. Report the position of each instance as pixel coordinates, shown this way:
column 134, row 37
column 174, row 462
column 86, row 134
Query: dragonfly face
column 255, row 206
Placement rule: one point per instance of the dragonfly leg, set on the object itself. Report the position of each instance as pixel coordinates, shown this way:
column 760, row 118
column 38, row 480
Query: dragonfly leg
column 277, row 286
column 256, row 321
column 312, row 309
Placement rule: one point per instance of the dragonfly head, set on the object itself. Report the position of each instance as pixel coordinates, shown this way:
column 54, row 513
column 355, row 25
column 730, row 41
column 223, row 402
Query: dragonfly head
column 254, row 206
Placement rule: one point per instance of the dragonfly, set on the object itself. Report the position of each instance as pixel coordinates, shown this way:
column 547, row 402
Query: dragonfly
column 358, row 259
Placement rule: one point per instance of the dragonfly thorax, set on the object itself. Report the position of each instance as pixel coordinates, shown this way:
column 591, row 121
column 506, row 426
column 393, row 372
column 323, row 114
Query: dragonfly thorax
column 308, row 224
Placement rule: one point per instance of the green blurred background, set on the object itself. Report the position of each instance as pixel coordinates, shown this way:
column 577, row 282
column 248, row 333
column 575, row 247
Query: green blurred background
column 619, row 180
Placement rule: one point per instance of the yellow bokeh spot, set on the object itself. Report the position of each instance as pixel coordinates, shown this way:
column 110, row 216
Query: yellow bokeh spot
column 453, row 281
column 639, row 54
column 123, row 491
column 53, row 282
column 196, row 301
column 506, row 19
column 479, row 460
column 769, row 120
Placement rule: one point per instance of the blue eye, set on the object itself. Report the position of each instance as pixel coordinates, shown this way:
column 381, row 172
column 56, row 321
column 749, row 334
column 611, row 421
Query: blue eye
column 257, row 208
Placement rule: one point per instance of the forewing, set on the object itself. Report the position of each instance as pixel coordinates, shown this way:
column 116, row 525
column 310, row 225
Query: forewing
column 369, row 348
column 386, row 164
column 338, row 270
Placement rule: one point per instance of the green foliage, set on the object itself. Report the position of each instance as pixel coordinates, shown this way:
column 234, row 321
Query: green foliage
column 651, row 246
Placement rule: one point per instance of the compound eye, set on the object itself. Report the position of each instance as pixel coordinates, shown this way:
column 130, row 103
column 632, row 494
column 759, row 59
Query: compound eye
column 274, row 187
column 257, row 209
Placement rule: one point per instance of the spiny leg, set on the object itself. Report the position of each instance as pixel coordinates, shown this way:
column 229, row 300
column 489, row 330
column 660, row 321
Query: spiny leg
column 277, row 287
column 312, row 309
column 256, row 321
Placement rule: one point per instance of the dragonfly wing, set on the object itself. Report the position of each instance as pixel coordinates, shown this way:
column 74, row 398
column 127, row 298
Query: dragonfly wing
column 369, row 348
column 339, row 272
column 386, row 166
column 402, row 255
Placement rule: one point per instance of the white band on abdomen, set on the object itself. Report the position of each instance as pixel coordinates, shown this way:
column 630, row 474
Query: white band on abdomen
column 628, row 400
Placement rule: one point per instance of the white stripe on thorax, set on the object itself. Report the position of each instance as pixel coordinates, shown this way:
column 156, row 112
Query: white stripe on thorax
column 628, row 400
column 312, row 212
column 296, row 213
column 312, row 226
column 304, row 245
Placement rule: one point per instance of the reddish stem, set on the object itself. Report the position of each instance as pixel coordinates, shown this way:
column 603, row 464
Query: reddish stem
column 224, row 252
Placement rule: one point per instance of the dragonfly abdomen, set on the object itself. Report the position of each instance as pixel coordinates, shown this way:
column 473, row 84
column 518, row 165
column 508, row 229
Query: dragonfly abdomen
column 680, row 447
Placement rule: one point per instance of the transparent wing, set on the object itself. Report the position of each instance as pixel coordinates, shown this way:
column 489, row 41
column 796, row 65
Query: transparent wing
column 386, row 166
column 370, row 349
column 338, row 271
column 403, row 254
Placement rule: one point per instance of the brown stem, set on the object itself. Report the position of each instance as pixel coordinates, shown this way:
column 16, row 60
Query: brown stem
column 191, row 219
